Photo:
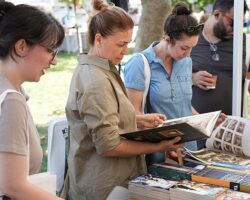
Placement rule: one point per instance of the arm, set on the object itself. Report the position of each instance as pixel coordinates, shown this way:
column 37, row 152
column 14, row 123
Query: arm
column 132, row 148
column 13, row 179
column 151, row 120
column 135, row 97
column 144, row 120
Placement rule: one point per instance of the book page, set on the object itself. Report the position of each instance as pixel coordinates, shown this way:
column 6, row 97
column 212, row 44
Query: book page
column 202, row 189
column 212, row 157
column 231, row 136
column 204, row 122
column 45, row 181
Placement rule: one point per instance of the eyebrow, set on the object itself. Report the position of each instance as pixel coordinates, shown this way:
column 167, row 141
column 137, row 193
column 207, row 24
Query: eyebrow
column 186, row 46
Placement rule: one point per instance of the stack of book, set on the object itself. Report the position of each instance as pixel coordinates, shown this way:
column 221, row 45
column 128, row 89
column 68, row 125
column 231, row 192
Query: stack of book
column 148, row 187
column 233, row 195
column 172, row 172
column 235, row 179
column 195, row 191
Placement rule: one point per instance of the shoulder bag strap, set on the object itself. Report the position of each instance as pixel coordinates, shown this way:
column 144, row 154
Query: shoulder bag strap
column 147, row 76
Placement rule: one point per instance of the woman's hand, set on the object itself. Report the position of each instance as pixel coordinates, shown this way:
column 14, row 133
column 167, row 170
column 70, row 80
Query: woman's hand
column 151, row 120
column 171, row 145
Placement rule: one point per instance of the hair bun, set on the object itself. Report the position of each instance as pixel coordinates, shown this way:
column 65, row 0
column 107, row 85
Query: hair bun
column 99, row 5
column 4, row 8
column 181, row 9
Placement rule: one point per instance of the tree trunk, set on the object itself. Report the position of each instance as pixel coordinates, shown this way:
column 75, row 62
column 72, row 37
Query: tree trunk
column 154, row 13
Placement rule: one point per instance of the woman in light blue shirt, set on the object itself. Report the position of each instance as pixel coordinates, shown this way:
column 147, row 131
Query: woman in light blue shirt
column 170, row 89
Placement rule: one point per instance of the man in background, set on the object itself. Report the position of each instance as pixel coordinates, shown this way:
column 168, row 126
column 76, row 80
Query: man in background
column 213, row 58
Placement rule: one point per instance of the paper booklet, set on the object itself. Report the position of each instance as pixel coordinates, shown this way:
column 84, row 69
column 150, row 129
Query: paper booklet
column 45, row 181
column 194, row 190
column 229, row 143
column 195, row 127
column 148, row 187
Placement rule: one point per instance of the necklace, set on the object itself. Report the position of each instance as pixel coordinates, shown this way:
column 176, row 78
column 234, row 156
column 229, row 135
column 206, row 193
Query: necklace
column 213, row 48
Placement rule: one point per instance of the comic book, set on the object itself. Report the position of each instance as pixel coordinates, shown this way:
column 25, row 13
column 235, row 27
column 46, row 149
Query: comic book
column 228, row 143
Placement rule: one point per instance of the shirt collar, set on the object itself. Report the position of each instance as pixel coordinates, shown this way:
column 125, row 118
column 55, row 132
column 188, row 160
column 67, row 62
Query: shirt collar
column 150, row 53
column 98, row 62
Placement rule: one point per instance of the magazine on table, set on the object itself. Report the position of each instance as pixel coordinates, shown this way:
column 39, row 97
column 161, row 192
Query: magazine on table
column 195, row 127
column 148, row 187
column 228, row 143
column 194, row 190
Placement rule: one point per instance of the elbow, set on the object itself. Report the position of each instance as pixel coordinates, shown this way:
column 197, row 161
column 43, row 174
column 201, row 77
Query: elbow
column 8, row 190
column 12, row 190
column 108, row 153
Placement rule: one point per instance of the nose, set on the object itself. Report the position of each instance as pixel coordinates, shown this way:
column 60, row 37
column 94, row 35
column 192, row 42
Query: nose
column 125, row 50
column 187, row 52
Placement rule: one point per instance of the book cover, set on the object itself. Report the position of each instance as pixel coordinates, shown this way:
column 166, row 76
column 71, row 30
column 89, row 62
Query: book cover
column 148, row 180
column 172, row 172
column 196, row 127
column 234, row 179
column 195, row 190
column 233, row 195
column 217, row 158
column 147, row 186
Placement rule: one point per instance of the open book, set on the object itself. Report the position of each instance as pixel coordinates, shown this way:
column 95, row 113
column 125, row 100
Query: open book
column 228, row 143
column 195, row 127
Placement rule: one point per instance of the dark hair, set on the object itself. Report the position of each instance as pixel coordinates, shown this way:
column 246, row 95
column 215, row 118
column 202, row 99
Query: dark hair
column 28, row 23
column 108, row 20
column 179, row 22
column 226, row 5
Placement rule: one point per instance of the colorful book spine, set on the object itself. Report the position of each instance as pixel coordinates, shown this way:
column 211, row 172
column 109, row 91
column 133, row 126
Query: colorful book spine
column 233, row 179
column 171, row 172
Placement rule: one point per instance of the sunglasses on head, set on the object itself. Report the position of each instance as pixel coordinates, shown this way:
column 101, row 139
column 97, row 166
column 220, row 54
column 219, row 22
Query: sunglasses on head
column 213, row 49
column 190, row 29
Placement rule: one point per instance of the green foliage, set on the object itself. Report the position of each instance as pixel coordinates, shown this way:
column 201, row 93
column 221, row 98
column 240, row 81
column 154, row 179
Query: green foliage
column 48, row 97
column 76, row 2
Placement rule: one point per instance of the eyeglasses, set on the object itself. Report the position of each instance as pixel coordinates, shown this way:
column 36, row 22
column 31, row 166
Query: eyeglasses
column 190, row 29
column 53, row 52
column 229, row 19
column 215, row 56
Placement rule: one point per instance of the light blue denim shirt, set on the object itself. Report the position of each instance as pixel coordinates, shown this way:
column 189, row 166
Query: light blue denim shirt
column 169, row 95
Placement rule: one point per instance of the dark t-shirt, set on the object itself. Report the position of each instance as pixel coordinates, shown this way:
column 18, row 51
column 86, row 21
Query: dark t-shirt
column 221, row 97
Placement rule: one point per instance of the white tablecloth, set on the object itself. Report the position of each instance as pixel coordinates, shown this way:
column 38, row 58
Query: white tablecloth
column 70, row 42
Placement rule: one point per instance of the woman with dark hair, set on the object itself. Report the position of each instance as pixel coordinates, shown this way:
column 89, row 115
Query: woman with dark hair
column 28, row 42
column 98, row 111
column 170, row 88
